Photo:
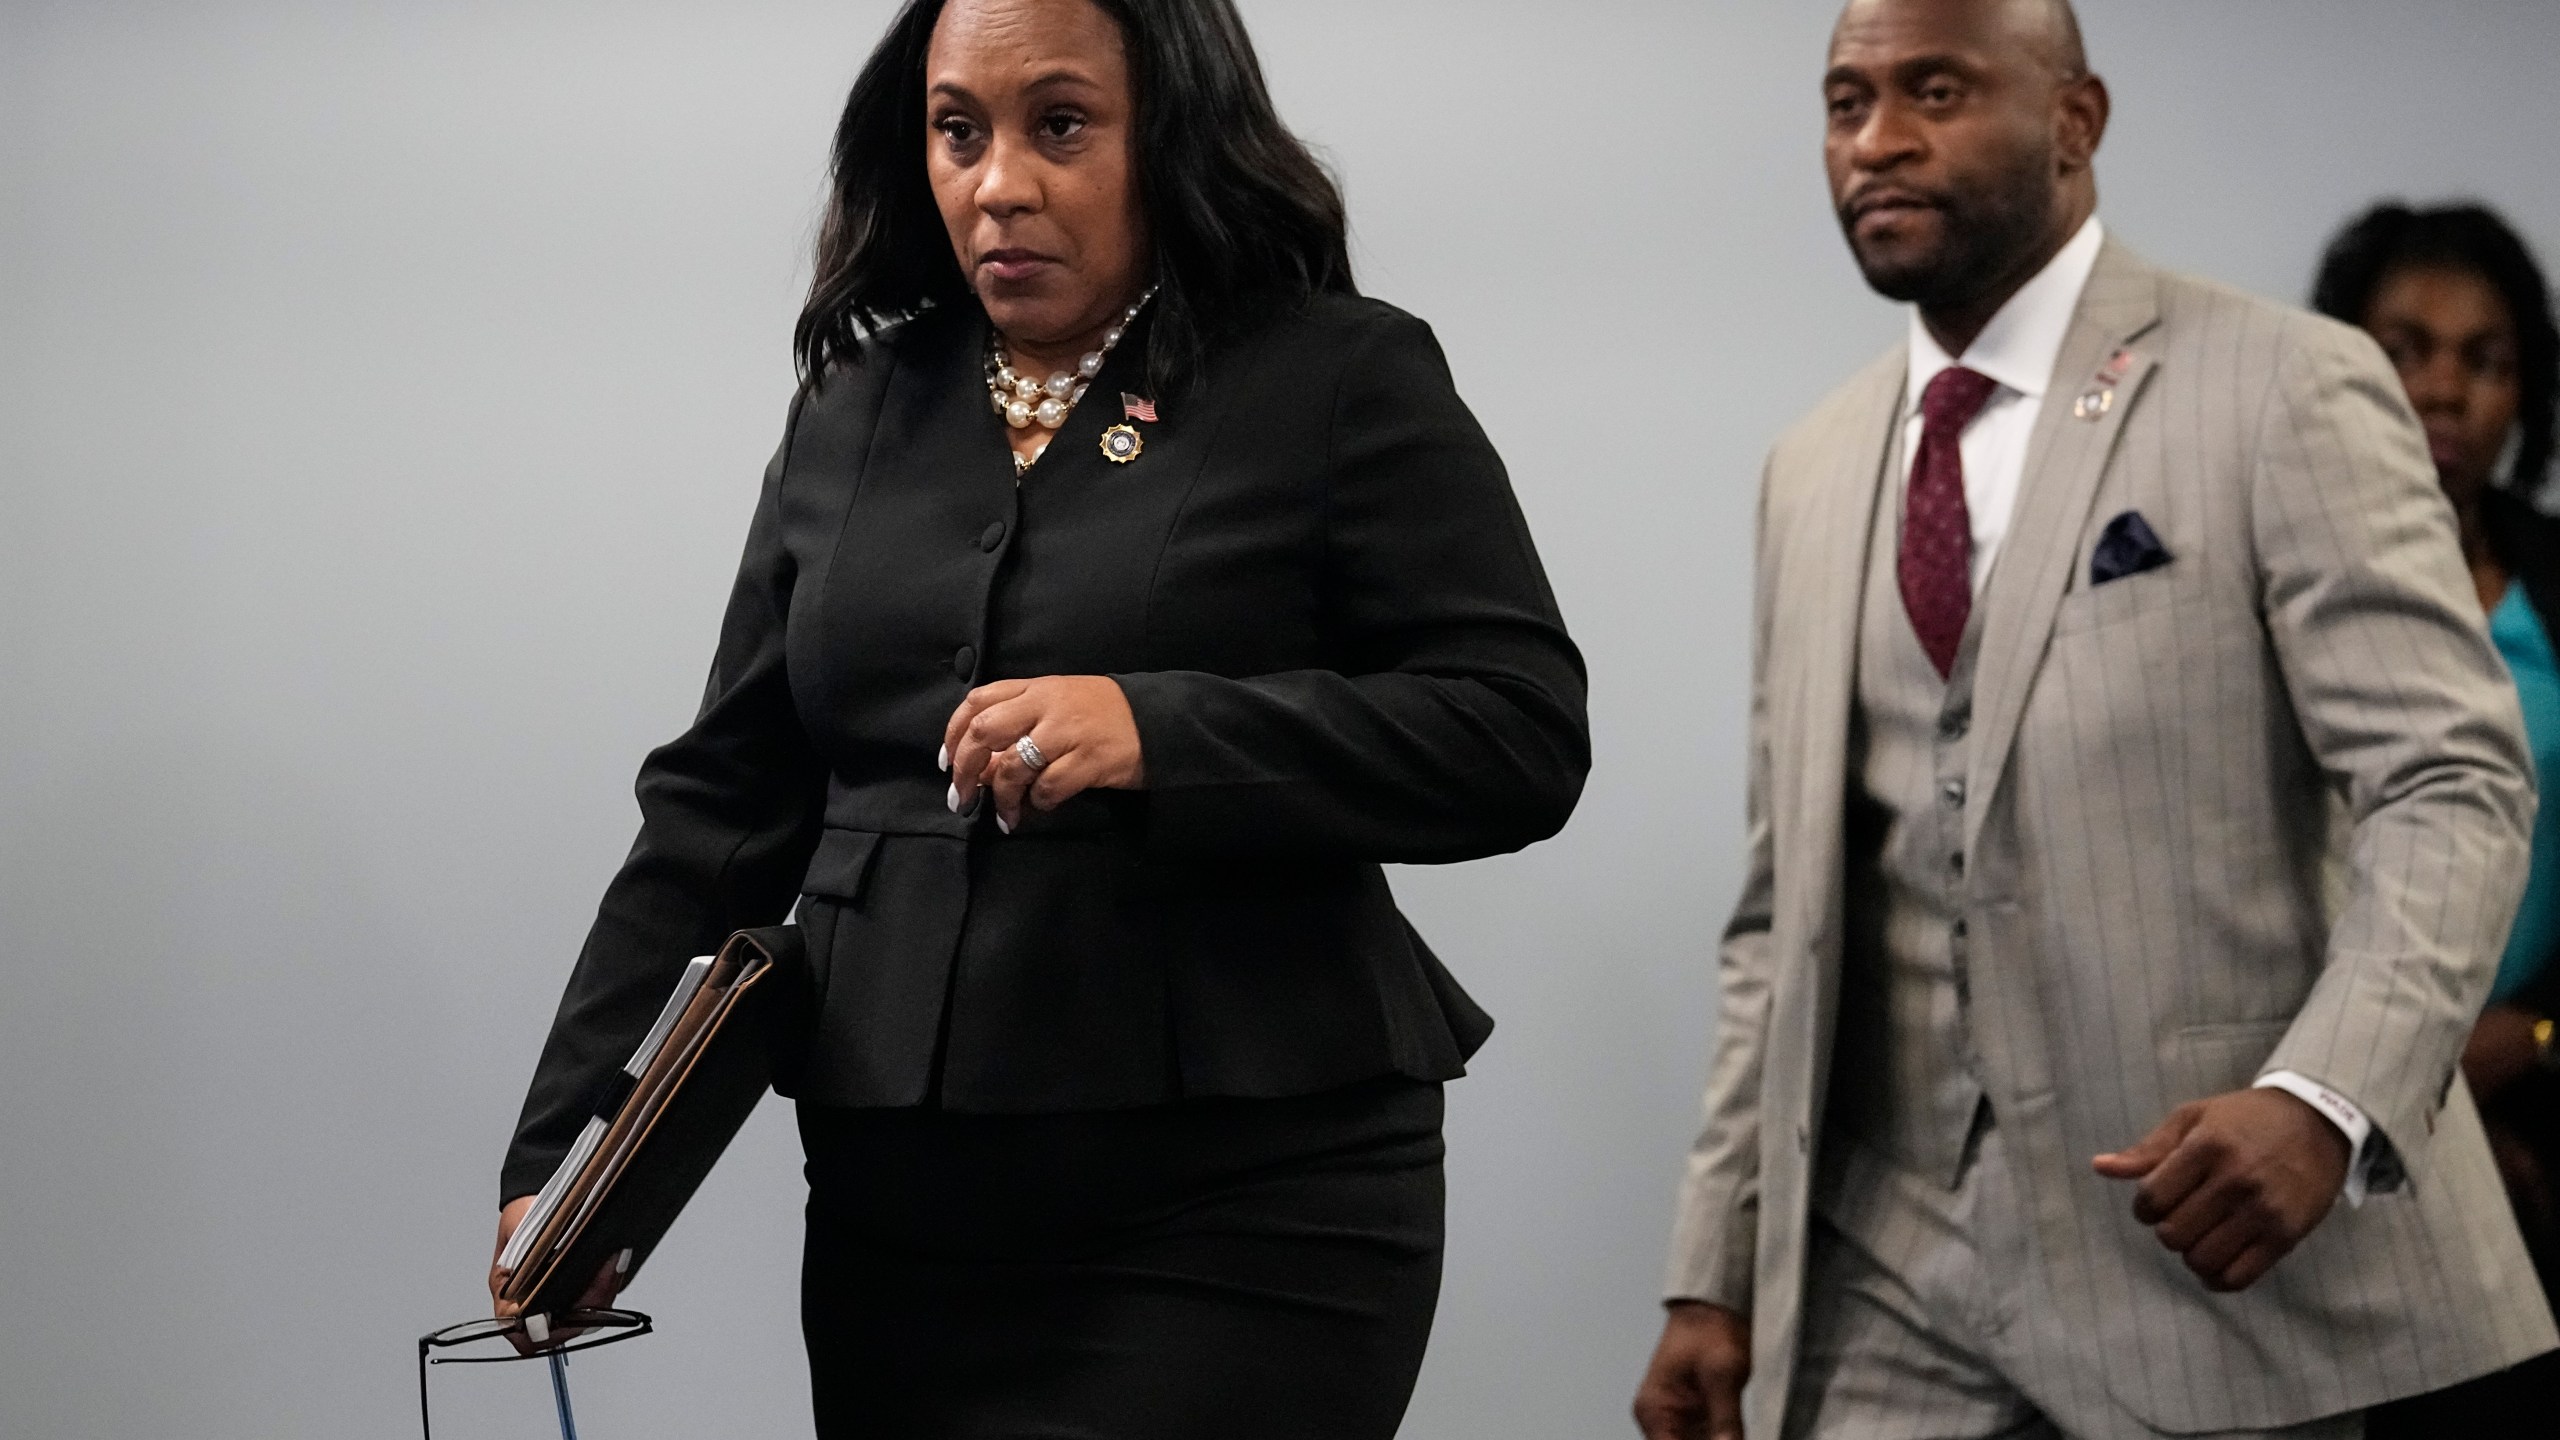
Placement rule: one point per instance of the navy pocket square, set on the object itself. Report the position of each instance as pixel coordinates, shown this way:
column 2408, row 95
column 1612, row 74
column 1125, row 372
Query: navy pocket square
column 2128, row 548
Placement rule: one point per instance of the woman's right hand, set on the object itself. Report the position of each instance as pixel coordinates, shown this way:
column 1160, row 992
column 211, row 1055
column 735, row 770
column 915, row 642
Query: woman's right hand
column 2500, row 1052
column 600, row 1292
column 510, row 1215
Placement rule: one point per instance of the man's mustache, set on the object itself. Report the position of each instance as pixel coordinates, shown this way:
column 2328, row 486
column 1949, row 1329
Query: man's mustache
column 1866, row 200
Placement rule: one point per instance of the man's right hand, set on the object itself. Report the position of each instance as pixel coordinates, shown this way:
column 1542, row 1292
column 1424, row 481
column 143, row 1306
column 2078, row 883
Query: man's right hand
column 1693, row 1389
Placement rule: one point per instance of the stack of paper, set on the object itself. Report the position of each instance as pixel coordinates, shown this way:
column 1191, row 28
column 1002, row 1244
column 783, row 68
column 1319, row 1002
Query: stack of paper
column 672, row 1109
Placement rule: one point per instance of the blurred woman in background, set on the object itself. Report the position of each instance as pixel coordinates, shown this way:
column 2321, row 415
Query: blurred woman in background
column 2456, row 300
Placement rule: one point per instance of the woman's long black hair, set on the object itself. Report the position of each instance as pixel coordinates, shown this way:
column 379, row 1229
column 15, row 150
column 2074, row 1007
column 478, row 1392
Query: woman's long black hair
column 2472, row 239
column 1243, row 221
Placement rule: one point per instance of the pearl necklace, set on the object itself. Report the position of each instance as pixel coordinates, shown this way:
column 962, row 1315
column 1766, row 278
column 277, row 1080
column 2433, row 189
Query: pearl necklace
column 1025, row 402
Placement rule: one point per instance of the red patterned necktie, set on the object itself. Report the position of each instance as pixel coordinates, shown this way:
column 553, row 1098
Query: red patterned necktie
column 1937, row 530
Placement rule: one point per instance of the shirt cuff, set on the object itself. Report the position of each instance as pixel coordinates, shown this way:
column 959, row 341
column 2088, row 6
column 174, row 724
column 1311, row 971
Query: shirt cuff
column 2340, row 1111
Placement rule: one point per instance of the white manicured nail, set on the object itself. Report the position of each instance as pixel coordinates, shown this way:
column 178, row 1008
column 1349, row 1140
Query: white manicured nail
column 944, row 760
column 951, row 797
column 537, row 1328
column 1001, row 825
column 622, row 1262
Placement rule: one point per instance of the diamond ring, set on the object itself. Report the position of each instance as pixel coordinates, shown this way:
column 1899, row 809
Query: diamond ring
column 1030, row 755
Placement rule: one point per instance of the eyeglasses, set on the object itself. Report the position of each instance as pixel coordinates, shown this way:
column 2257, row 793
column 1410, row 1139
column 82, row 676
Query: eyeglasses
column 559, row 1334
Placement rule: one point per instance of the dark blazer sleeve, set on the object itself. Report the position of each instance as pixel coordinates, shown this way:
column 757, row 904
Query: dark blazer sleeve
column 729, row 814
column 1452, row 725
column 2527, row 543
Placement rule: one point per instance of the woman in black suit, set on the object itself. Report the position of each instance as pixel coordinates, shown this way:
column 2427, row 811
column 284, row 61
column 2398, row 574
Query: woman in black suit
column 1108, row 496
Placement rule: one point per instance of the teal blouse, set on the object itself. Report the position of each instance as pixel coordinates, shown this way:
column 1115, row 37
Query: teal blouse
column 2519, row 635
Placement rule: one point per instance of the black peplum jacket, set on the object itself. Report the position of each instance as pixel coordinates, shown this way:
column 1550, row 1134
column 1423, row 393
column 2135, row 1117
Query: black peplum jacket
column 1318, row 592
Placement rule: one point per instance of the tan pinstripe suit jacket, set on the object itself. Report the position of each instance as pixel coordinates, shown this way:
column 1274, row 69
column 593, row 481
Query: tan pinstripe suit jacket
column 2151, row 807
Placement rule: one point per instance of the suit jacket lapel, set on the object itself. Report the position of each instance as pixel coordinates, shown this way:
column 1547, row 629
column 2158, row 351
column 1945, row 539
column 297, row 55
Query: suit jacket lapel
column 1831, row 556
column 2066, row 459
column 937, row 408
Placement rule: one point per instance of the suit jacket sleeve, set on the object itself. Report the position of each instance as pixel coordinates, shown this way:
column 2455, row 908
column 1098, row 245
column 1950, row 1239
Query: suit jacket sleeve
column 1452, row 725
column 729, row 814
column 2384, row 653
column 1714, row 1243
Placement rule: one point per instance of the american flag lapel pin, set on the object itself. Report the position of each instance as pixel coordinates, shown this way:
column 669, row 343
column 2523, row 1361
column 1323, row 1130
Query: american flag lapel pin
column 1122, row 443
column 2100, row 397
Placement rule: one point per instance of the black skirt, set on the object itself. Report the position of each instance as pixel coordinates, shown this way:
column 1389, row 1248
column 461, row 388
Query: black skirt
column 1236, row 1268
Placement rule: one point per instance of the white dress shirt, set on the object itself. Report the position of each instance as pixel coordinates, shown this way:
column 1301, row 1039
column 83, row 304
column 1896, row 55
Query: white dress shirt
column 2019, row 350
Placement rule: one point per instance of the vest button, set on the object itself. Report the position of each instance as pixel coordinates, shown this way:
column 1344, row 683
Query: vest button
column 1953, row 727
column 993, row 538
column 964, row 661
column 1953, row 793
column 1957, row 864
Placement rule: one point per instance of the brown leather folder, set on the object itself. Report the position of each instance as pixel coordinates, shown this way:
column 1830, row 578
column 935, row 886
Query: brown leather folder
column 673, row 1120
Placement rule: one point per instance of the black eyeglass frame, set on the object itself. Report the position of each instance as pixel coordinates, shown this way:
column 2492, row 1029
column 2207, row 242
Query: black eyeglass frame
column 607, row 1327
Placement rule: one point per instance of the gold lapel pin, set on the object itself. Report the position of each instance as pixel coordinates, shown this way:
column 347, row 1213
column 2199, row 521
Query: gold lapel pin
column 2100, row 397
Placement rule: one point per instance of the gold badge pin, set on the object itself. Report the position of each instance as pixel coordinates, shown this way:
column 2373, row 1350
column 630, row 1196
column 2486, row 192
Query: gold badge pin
column 1122, row 444
column 2100, row 397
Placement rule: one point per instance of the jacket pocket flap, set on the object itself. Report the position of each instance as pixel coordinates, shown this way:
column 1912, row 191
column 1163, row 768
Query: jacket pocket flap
column 842, row 865
column 2216, row 1059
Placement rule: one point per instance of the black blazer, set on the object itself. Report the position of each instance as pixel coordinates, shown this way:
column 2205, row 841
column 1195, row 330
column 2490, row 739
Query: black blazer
column 2527, row 543
column 1319, row 594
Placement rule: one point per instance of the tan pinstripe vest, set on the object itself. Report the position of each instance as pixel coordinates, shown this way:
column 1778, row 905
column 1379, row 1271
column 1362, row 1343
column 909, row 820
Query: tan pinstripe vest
column 1905, row 1081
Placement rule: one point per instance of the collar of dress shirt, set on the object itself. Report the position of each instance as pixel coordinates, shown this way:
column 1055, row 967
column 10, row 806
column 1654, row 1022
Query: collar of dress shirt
column 2022, row 343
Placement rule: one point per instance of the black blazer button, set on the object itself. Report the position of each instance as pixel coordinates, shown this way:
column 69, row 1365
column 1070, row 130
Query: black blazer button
column 964, row 661
column 993, row 538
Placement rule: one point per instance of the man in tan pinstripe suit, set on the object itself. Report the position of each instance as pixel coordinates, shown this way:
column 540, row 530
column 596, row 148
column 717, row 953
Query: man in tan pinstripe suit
column 2054, row 1091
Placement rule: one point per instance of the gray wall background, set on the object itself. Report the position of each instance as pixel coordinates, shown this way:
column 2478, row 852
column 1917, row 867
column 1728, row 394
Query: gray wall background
column 383, row 389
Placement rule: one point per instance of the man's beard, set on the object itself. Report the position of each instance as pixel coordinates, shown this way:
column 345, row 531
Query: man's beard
column 1986, row 234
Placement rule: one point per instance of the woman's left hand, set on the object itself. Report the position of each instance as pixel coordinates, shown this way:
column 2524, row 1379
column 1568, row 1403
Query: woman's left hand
column 1081, row 725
